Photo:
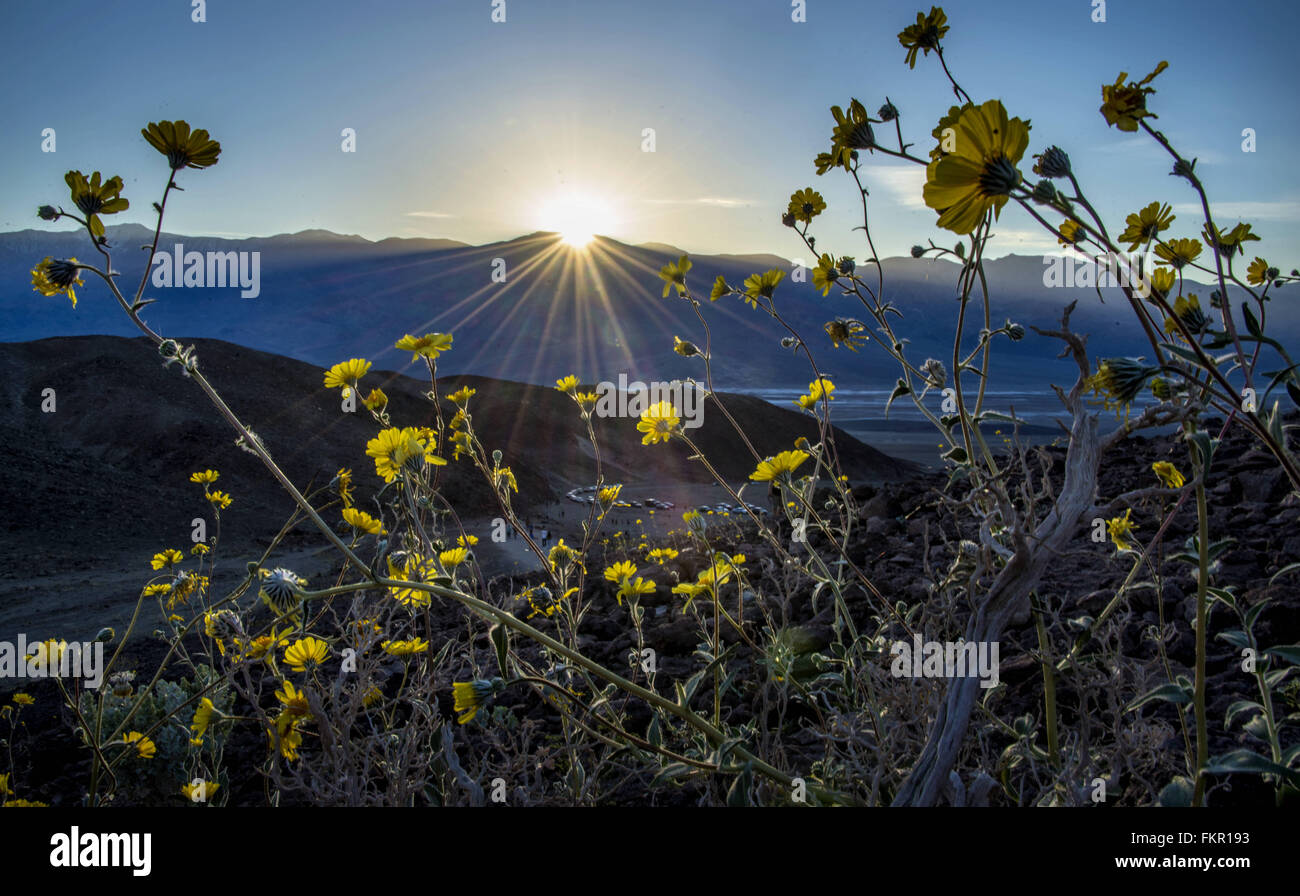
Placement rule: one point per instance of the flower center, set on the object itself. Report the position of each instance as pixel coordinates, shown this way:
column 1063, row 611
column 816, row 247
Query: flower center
column 862, row 137
column 999, row 177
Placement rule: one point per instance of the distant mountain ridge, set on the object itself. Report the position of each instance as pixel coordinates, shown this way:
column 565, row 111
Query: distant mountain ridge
column 530, row 309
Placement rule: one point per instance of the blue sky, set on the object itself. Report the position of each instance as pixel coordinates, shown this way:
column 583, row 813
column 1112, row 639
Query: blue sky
column 472, row 130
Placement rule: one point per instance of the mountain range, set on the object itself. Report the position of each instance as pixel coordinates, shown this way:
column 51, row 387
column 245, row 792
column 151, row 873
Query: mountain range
column 531, row 309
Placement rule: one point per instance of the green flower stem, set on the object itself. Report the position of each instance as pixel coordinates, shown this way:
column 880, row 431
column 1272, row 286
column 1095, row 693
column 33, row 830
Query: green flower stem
column 967, row 282
column 157, row 232
column 1225, row 308
column 841, row 607
column 1104, row 242
column 956, row 88
column 1270, row 720
column 785, row 555
column 708, row 379
column 715, row 736
column 1049, row 685
column 99, row 760
column 1120, row 592
column 717, row 640
column 622, row 732
column 1249, row 418
column 866, row 223
column 1083, row 200
column 253, row 443
column 1189, row 752
column 862, row 577
column 1202, row 618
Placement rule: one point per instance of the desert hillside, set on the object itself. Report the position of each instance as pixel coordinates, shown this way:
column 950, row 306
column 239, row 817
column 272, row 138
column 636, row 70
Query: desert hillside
column 90, row 492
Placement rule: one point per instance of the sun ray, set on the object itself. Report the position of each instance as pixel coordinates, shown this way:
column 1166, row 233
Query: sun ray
column 577, row 217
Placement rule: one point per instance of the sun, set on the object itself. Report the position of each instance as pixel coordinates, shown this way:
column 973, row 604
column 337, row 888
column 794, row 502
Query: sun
column 577, row 217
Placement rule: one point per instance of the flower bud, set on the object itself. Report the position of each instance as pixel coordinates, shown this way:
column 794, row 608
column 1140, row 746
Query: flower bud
column 1053, row 162
column 935, row 374
column 684, row 348
column 1045, row 192
column 1185, row 169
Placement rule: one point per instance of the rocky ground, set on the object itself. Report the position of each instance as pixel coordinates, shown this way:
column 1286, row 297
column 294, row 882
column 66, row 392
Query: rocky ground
column 1250, row 503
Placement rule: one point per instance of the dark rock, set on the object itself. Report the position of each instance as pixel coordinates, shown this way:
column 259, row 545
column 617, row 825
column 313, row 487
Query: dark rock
column 883, row 504
column 1261, row 485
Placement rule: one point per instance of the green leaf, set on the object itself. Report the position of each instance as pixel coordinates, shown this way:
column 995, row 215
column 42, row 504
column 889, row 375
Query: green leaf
column 1252, row 323
column 1277, row 676
column 1236, row 637
column 692, row 684
column 1176, row 794
column 1257, row 727
column 1217, row 548
column 900, row 389
column 956, row 454
column 1274, row 424
column 1278, row 376
column 1288, row 652
column 738, row 793
column 1203, row 448
column 1253, row 613
column 1185, row 353
column 1288, row 567
column 1223, row 595
column 672, row 772
column 1247, row 762
column 1171, row 692
column 1238, row 708
column 500, row 637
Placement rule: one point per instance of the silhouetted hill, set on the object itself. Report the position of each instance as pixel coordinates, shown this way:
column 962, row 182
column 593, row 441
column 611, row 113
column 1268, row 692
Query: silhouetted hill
column 89, row 492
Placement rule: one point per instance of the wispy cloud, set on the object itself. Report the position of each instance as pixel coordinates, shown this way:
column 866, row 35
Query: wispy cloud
column 429, row 215
column 1208, row 157
column 1023, row 241
column 715, row 201
column 902, row 182
column 1268, row 210
column 1147, row 149
column 1134, row 146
